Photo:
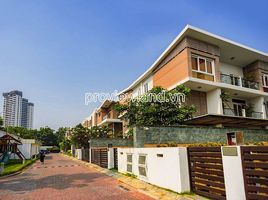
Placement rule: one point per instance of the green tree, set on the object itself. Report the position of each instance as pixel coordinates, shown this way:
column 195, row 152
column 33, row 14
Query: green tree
column 65, row 145
column 47, row 137
column 60, row 133
column 22, row 132
column 80, row 136
column 163, row 111
column 99, row 131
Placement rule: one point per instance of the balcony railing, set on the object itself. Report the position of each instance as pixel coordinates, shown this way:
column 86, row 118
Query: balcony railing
column 231, row 112
column 239, row 81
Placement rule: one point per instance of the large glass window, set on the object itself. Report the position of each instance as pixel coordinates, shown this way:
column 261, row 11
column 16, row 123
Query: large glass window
column 202, row 65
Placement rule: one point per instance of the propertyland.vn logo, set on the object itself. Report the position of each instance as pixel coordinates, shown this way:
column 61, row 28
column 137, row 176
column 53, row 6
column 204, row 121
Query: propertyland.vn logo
column 163, row 97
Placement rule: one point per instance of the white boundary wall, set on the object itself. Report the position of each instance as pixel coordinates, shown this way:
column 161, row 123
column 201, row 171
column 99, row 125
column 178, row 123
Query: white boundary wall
column 78, row 154
column 165, row 167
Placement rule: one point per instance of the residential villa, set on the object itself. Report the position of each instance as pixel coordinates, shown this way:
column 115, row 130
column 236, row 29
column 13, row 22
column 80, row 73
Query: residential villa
column 228, row 81
column 105, row 115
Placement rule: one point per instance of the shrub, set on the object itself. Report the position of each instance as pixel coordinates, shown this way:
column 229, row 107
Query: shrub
column 69, row 153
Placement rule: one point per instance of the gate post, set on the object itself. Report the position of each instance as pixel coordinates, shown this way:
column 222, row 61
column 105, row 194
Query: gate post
column 110, row 155
column 233, row 173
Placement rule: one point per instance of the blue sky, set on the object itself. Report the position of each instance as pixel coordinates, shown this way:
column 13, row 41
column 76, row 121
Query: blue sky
column 56, row 50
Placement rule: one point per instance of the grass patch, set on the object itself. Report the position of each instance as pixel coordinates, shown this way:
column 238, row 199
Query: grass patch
column 16, row 165
column 130, row 175
column 113, row 170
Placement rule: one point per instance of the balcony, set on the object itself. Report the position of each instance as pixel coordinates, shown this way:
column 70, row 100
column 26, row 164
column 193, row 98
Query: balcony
column 242, row 113
column 239, row 81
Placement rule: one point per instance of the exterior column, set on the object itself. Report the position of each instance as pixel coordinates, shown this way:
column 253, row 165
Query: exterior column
column 214, row 102
column 233, row 173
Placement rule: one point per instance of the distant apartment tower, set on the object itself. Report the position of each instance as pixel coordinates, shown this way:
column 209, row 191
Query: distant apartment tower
column 17, row 111
column 12, row 109
column 27, row 114
column 30, row 111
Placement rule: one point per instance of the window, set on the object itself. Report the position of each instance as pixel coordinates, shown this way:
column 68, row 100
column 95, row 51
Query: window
column 265, row 80
column 209, row 67
column 139, row 92
column 145, row 87
column 194, row 63
column 202, row 65
column 142, row 165
column 129, row 163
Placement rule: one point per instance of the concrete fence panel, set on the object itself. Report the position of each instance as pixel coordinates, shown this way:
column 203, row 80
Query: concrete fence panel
column 164, row 167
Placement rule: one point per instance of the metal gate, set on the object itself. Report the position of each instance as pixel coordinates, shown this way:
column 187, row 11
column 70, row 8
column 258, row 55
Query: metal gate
column 99, row 156
column 85, row 155
column 255, row 169
column 206, row 172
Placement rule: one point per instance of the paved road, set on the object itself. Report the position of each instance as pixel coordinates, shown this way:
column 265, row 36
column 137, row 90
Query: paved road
column 64, row 179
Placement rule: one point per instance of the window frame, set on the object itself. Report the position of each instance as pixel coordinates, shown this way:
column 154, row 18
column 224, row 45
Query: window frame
column 145, row 85
column 206, row 69
column 143, row 165
column 265, row 76
column 130, row 163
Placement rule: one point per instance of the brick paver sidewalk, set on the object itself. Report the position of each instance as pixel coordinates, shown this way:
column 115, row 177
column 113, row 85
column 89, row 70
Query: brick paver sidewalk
column 64, row 179
column 148, row 189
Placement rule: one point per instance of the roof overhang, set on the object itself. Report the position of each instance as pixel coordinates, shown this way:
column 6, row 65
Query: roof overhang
column 228, row 121
column 242, row 54
column 109, row 121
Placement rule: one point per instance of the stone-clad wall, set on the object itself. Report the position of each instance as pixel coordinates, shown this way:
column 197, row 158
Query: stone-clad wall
column 187, row 135
column 117, row 142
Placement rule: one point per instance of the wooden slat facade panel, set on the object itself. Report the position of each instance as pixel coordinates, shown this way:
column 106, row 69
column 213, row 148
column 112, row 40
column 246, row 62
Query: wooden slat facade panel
column 255, row 168
column 99, row 156
column 206, row 172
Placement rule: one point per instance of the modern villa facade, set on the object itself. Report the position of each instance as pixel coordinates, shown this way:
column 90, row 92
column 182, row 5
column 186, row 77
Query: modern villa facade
column 214, row 68
column 107, row 116
column 228, row 81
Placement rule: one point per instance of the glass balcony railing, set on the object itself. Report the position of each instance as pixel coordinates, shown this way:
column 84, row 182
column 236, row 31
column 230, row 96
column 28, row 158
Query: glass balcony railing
column 232, row 112
column 257, row 115
column 239, row 81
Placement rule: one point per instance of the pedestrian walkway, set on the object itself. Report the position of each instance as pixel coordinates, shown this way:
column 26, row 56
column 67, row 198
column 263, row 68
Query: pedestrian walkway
column 65, row 179
column 148, row 189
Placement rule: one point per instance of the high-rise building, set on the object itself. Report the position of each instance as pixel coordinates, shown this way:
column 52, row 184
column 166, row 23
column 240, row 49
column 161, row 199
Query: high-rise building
column 17, row 111
column 24, row 112
column 30, row 111
column 12, row 108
